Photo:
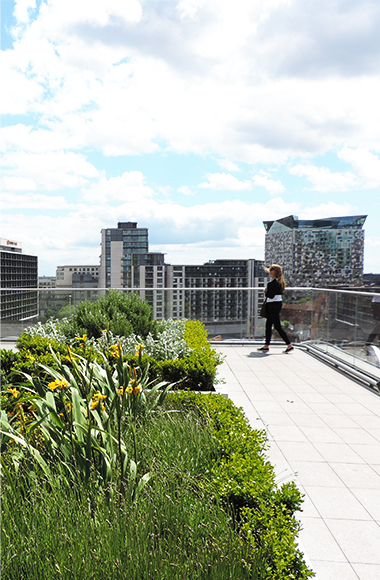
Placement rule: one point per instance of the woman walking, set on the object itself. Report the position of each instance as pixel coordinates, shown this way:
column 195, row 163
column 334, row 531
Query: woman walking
column 273, row 294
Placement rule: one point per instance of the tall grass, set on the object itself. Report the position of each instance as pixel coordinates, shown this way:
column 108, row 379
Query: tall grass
column 176, row 530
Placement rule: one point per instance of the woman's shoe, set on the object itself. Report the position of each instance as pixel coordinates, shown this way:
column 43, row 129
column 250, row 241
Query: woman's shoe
column 288, row 349
column 264, row 348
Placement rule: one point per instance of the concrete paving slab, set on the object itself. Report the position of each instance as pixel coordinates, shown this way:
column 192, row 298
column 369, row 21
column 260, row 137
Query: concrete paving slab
column 324, row 433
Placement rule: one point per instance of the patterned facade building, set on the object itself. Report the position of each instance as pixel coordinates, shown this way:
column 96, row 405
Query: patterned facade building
column 319, row 253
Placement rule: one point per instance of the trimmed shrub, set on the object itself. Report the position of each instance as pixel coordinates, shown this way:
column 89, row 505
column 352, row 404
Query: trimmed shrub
column 246, row 481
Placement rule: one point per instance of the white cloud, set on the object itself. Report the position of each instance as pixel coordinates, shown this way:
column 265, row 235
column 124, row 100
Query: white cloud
column 188, row 8
column 225, row 181
column 373, row 242
column 17, row 184
column 127, row 187
column 228, row 165
column 22, row 91
column 251, row 237
column 185, row 190
column 365, row 164
column 202, row 231
column 323, row 179
column 125, row 79
column 49, row 171
column 330, row 209
column 22, row 8
column 273, row 186
column 33, row 201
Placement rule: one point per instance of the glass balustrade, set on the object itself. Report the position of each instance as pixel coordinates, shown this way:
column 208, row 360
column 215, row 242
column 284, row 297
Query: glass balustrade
column 341, row 324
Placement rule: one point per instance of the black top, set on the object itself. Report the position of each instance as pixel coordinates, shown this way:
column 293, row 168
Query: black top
column 274, row 288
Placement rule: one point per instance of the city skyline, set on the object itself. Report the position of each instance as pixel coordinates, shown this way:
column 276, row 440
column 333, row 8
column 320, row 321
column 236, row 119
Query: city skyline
column 197, row 119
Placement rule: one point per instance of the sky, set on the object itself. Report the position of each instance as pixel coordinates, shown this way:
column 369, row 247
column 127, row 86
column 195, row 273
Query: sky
column 198, row 119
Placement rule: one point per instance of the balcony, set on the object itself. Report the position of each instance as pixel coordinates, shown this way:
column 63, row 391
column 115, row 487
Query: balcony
column 319, row 406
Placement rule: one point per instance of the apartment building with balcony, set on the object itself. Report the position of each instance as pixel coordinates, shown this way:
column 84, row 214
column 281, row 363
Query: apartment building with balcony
column 211, row 293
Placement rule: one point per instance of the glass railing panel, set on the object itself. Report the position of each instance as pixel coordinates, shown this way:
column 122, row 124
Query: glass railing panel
column 342, row 324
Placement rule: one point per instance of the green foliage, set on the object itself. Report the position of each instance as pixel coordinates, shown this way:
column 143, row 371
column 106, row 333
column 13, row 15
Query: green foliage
column 193, row 367
column 245, row 479
column 122, row 313
column 197, row 371
column 194, row 373
column 177, row 530
column 8, row 359
column 77, row 416
column 303, row 300
column 214, row 509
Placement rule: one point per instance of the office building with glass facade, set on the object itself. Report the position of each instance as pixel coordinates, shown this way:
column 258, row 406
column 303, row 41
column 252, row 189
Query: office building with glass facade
column 117, row 246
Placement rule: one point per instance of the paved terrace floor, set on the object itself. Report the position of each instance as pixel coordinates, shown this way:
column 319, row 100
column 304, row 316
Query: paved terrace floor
column 324, row 433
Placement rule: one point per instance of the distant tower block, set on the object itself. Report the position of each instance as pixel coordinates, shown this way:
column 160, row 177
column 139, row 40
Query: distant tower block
column 320, row 253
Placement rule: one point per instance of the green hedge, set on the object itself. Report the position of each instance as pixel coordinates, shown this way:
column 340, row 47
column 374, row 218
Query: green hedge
column 246, row 480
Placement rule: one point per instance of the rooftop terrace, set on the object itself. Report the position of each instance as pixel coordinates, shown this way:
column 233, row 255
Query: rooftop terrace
column 323, row 430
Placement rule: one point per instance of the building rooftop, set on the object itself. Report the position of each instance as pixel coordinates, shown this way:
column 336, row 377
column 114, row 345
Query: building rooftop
column 323, row 431
column 292, row 222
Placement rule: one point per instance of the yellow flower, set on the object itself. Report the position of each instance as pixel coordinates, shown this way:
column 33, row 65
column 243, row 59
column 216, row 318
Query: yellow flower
column 14, row 392
column 68, row 405
column 103, row 408
column 136, row 390
column 115, row 350
column 120, row 391
column 129, row 390
column 82, row 338
column 61, row 415
column 58, row 384
column 139, row 348
column 99, row 396
column 30, row 357
column 96, row 400
column 54, row 385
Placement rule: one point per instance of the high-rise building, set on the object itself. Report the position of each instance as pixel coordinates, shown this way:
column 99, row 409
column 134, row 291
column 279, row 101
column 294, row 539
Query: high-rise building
column 117, row 246
column 320, row 252
column 19, row 276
